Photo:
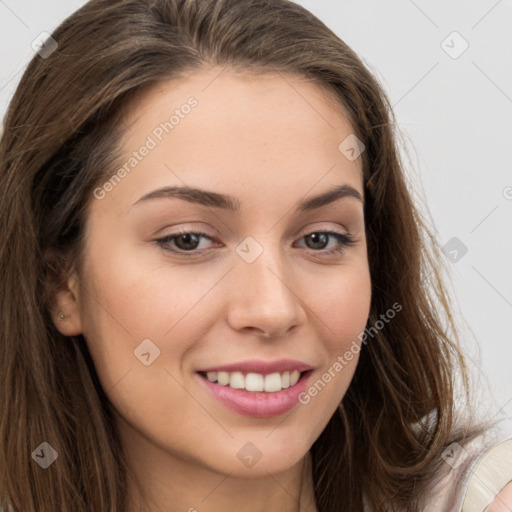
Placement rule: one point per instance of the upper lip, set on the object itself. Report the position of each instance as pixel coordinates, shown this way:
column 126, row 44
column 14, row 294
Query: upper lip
column 260, row 366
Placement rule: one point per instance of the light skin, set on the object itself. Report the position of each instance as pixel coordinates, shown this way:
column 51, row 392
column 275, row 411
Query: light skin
column 503, row 501
column 271, row 142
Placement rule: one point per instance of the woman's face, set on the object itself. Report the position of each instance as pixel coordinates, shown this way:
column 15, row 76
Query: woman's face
column 208, row 269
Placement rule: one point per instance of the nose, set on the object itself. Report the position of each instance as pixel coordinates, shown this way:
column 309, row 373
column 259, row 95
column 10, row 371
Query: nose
column 265, row 300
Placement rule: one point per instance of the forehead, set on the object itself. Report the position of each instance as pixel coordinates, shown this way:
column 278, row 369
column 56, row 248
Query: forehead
column 216, row 84
column 244, row 130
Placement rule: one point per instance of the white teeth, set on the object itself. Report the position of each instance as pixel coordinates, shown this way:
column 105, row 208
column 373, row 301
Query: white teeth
column 285, row 380
column 273, row 382
column 294, row 377
column 223, row 378
column 254, row 382
column 270, row 383
column 237, row 380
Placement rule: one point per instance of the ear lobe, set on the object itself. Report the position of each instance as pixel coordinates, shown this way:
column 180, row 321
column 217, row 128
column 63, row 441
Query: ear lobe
column 63, row 295
column 68, row 318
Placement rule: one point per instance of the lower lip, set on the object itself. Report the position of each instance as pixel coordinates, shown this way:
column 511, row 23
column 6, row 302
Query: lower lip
column 257, row 403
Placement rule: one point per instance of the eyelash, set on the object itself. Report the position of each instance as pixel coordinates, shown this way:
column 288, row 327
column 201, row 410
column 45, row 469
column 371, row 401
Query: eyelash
column 344, row 239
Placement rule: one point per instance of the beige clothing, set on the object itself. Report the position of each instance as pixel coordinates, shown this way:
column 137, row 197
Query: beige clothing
column 475, row 474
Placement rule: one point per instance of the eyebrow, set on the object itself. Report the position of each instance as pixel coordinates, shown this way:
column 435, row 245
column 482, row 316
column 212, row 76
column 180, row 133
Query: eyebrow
column 226, row 202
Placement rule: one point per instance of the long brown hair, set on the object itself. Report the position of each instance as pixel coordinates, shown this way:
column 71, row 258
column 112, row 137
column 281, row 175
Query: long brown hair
column 61, row 137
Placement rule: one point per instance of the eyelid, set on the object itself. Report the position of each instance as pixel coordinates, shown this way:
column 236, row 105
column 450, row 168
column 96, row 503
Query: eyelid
column 201, row 227
column 324, row 228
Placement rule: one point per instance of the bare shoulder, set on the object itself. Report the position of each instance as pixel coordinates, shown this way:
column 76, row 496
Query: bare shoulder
column 502, row 502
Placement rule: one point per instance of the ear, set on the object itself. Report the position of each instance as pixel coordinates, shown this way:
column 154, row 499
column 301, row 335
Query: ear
column 64, row 296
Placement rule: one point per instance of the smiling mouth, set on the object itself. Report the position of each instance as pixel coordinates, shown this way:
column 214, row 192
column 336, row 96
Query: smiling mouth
column 255, row 382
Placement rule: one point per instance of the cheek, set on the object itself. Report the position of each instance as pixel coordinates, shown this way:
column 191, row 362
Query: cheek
column 140, row 320
column 139, row 325
column 125, row 311
column 342, row 307
column 134, row 298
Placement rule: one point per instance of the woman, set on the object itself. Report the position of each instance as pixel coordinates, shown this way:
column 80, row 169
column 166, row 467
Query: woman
column 218, row 291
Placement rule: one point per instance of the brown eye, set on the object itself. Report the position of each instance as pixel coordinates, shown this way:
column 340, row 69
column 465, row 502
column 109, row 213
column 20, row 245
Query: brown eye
column 187, row 241
column 317, row 240
column 183, row 243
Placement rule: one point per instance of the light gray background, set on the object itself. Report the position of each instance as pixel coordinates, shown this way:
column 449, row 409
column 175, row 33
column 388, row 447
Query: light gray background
column 455, row 115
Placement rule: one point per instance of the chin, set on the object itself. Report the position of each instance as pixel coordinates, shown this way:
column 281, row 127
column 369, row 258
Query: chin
column 257, row 456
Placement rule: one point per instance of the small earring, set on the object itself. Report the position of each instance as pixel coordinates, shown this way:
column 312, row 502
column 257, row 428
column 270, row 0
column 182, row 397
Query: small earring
column 61, row 315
